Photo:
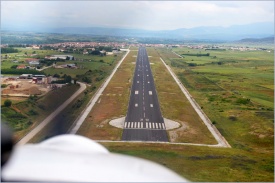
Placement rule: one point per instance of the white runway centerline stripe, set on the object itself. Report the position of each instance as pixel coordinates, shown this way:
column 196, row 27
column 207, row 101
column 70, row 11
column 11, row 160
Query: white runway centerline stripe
column 150, row 93
column 136, row 92
column 151, row 105
column 137, row 81
column 148, row 81
column 136, row 105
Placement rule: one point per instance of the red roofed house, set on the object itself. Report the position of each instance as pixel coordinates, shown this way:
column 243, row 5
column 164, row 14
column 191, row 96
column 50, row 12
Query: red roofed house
column 21, row 67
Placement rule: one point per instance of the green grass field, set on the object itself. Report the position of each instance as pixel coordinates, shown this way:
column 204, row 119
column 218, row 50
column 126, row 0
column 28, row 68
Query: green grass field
column 204, row 164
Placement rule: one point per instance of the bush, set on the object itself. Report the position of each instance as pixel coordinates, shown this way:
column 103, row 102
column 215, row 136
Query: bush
column 32, row 112
column 7, row 103
column 86, row 79
column 14, row 66
column 4, row 85
column 232, row 118
column 192, row 64
column 243, row 101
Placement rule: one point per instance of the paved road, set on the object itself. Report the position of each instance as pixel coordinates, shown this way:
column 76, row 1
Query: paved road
column 46, row 121
column 144, row 121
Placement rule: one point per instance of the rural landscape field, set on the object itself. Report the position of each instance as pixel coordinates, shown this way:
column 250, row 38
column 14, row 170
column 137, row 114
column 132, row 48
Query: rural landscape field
column 213, row 81
column 234, row 88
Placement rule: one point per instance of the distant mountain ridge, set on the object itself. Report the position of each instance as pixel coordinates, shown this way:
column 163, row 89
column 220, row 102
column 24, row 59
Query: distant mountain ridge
column 266, row 40
column 232, row 33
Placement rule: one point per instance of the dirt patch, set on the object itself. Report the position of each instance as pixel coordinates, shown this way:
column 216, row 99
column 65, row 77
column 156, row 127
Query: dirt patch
column 23, row 87
column 176, row 133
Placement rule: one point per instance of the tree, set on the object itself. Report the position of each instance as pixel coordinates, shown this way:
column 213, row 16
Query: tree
column 14, row 66
column 7, row 103
column 68, row 79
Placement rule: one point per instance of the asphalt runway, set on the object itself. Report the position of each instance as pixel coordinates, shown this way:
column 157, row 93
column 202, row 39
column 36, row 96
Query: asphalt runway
column 144, row 121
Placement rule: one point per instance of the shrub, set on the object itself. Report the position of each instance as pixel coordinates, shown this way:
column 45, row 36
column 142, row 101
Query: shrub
column 232, row 118
column 32, row 112
column 243, row 101
column 4, row 85
column 7, row 103
column 192, row 64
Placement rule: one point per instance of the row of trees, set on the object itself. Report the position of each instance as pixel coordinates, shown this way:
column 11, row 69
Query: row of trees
column 9, row 50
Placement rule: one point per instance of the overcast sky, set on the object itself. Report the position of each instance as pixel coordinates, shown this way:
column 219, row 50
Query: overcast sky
column 150, row 15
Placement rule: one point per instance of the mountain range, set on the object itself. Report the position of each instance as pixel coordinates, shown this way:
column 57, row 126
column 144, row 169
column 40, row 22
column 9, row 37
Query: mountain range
column 232, row 33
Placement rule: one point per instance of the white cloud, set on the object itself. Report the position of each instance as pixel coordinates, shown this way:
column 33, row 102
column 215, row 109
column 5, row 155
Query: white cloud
column 135, row 14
